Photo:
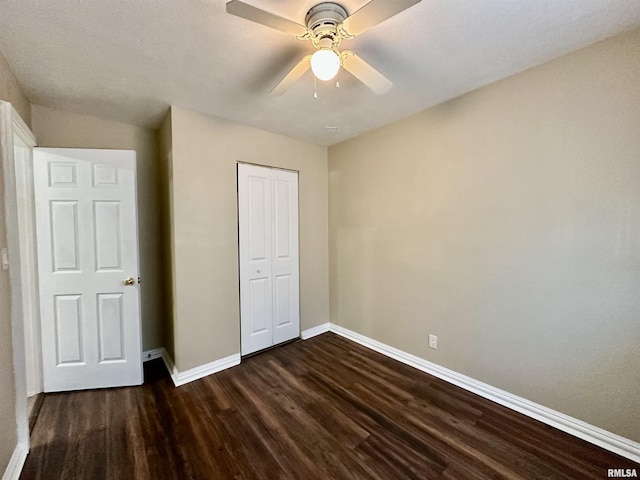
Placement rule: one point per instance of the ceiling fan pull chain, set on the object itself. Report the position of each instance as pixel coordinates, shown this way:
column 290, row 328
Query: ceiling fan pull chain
column 315, row 87
column 338, row 80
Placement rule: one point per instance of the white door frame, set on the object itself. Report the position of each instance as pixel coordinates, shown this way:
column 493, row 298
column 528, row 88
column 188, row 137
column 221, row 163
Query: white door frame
column 23, row 163
column 12, row 128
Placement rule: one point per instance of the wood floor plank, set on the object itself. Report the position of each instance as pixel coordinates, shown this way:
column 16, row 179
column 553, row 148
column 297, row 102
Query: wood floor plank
column 325, row 408
column 117, row 438
column 314, row 438
column 275, row 438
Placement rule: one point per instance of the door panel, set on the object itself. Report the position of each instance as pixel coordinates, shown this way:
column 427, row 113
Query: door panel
column 254, row 193
column 268, row 249
column 69, row 338
column 285, row 259
column 110, row 327
column 282, row 200
column 107, row 238
column 258, row 222
column 105, row 175
column 283, row 294
column 62, row 174
column 87, row 246
column 259, row 322
column 64, row 233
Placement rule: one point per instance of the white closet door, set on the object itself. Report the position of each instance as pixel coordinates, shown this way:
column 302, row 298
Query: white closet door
column 254, row 212
column 286, row 304
column 268, row 249
column 88, row 268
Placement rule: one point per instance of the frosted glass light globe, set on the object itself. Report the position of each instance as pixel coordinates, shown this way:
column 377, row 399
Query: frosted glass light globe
column 325, row 64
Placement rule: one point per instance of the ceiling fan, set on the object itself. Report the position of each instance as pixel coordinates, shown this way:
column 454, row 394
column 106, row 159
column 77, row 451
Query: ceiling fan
column 327, row 25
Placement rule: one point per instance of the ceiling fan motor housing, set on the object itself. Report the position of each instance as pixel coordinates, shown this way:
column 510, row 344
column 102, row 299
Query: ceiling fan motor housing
column 324, row 18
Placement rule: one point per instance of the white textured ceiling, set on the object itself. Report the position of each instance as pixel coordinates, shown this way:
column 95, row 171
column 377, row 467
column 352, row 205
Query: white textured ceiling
column 128, row 60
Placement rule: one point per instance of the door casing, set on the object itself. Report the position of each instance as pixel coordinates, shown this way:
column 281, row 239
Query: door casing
column 14, row 131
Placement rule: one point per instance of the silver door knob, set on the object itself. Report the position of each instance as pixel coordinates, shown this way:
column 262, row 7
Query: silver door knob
column 129, row 281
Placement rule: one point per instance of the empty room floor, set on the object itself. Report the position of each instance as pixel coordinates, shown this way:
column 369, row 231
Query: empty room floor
column 324, row 408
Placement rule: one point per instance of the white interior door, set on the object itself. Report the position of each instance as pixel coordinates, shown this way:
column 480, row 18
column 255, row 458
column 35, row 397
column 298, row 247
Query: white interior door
column 87, row 233
column 268, row 249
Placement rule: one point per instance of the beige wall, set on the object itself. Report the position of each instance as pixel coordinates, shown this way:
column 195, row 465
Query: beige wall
column 165, row 143
column 9, row 91
column 55, row 128
column 507, row 222
column 205, row 152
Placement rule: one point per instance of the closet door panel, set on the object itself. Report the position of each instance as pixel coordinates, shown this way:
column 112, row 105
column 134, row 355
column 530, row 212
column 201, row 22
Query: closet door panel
column 286, row 308
column 255, row 249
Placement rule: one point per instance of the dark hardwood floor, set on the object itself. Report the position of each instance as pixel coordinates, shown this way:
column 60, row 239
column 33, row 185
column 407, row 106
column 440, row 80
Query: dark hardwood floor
column 323, row 408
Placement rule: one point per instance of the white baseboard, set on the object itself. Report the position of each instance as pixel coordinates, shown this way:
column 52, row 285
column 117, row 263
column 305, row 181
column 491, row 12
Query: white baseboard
column 14, row 469
column 590, row 433
column 180, row 378
column 171, row 368
column 152, row 354
column 313, row 331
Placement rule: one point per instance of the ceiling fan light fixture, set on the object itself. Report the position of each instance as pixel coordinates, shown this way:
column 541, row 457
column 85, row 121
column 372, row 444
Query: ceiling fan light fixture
column 325, row 64
column 327, row 24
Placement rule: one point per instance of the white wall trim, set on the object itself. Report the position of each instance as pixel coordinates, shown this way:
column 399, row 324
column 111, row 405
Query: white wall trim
column 313, row 331
column 196, row 373
column 149, row 355
column 590, row 433
column 16, row 462
column 171, row 367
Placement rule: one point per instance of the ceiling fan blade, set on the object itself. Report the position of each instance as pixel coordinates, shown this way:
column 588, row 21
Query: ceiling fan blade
column 373, row 13
column 364, row 72
column 292, row 77
column 244, row 10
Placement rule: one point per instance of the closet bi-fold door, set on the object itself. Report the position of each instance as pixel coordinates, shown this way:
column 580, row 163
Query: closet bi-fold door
column 268, row 249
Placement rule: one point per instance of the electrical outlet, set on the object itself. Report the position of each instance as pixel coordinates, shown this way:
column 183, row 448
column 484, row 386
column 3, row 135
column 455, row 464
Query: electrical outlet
column 433, row 342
